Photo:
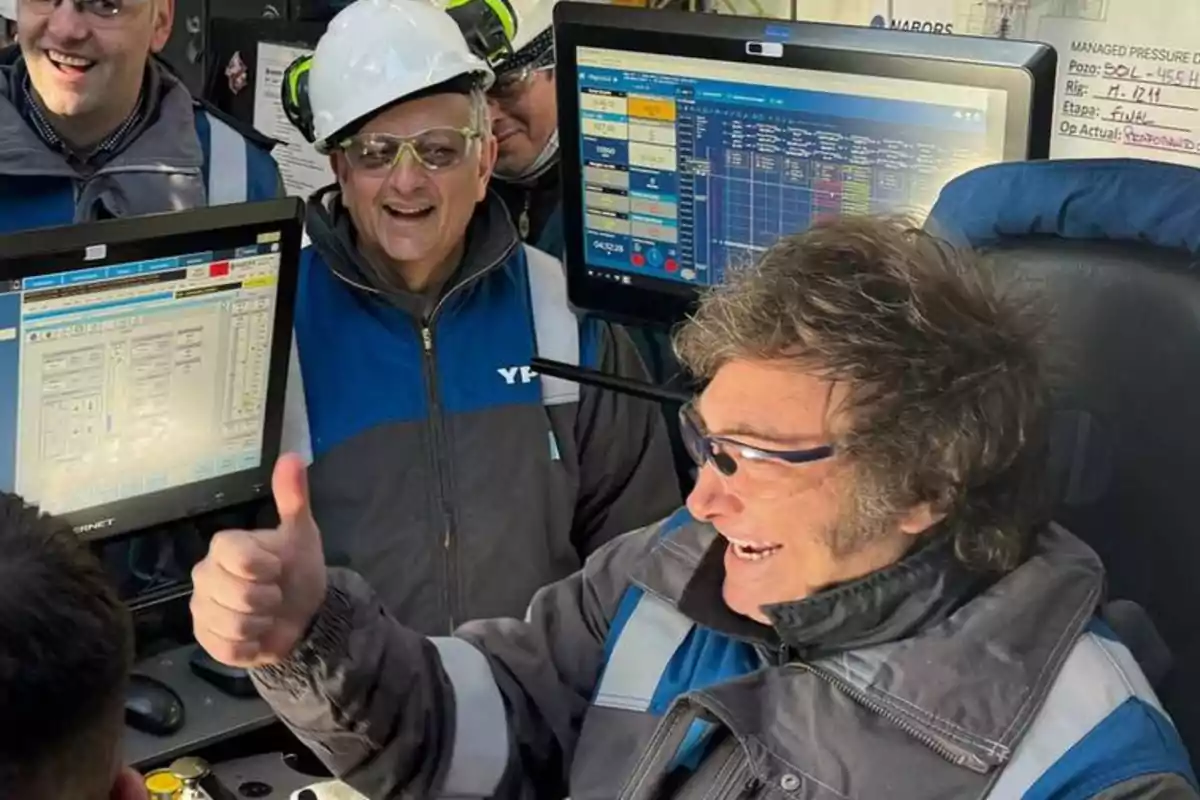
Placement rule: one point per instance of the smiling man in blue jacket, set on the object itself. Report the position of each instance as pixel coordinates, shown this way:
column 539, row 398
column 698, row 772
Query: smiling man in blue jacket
column 456, row 479
column 94, row 126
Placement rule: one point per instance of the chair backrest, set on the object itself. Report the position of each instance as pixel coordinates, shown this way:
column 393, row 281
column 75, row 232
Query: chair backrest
column 1115, row 248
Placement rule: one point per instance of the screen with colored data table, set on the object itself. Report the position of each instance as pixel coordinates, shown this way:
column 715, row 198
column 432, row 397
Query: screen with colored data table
column 691, row 167
column 690, row 143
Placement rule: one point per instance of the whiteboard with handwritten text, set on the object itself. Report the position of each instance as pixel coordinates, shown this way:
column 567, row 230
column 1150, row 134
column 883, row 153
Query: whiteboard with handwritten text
column 1128, row 72
column 1128, row 81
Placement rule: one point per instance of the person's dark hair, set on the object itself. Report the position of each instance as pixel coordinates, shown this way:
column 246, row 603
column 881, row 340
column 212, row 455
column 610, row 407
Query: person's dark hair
column 65, row 653
column 946, row 386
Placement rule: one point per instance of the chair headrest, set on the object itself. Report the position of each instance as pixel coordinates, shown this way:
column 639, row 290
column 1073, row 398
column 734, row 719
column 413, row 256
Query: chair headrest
column 1114, row 247
column 1121, row 199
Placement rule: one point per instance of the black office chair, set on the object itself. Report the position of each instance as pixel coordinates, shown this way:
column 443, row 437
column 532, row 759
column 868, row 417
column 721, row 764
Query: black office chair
column 1115, row 246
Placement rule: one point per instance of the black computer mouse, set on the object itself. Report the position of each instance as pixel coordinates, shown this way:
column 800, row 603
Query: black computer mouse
column 152, row 707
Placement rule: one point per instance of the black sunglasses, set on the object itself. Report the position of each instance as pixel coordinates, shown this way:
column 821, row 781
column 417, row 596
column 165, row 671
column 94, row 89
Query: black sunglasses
column 703, row 447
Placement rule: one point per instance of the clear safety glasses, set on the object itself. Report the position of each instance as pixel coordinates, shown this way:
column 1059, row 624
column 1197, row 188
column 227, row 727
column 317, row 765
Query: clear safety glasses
column 434, row 149
column 728, row 455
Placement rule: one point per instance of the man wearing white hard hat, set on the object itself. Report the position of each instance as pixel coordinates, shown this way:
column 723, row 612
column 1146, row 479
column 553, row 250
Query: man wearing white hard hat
column 525, row 123
column 524, row 109
column 450, row 474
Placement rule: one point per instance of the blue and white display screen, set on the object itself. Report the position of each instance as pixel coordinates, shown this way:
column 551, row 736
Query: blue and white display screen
column 691, row 166
column 130, row 378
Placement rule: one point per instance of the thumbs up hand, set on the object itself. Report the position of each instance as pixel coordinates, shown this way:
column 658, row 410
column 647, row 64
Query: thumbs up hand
column 256, row 592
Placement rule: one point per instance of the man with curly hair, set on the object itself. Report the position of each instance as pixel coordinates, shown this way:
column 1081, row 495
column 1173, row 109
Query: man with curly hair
column 863, row 597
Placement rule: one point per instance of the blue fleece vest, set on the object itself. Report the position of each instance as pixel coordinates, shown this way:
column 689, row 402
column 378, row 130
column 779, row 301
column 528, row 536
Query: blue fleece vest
column 478, row 350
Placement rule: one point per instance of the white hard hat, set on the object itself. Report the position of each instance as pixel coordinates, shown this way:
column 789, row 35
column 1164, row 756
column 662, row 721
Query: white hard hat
column 534, row 17
column 376, row 52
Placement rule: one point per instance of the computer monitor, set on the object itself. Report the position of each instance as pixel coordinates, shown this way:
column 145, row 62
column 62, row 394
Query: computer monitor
column 143, row 363
column 691, row 142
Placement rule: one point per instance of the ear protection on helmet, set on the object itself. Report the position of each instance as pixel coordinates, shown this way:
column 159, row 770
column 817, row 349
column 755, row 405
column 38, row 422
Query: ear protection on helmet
column 296, row 104
column 489, row 27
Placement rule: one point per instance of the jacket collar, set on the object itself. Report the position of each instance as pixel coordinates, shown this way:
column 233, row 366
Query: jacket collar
column 893, row 603
column 491, row 239
column 962, row 662
column 886, row 605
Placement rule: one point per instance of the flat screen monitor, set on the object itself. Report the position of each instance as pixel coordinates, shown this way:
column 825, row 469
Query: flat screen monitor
column 143, row 363
column 691, row 142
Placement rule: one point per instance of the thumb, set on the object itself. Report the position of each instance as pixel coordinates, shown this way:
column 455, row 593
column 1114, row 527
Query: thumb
column 289, row 484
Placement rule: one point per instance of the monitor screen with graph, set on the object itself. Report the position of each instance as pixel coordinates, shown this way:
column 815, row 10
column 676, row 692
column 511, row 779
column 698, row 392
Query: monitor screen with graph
column 143, row 363
column 687, row 151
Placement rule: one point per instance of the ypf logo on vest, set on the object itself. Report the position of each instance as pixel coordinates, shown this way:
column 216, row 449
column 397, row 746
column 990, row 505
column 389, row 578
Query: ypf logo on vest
column 513, row 375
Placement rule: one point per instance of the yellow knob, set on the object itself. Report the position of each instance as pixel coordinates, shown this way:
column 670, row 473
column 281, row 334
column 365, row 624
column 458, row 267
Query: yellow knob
column 163, row 785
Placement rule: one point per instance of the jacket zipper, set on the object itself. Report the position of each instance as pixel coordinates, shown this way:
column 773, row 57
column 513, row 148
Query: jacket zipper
column 437, row 432
column 440, row 470
column 523, row 219
column 441, row 457
column 956, row 757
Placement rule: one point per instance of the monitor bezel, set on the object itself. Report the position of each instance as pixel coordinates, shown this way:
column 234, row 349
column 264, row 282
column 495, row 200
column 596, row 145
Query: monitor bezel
column 32, row 253
column 1025, row 71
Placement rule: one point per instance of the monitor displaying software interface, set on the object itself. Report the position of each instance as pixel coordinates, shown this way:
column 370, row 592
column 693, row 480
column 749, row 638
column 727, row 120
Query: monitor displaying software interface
column 131, row 378
column 691, row 166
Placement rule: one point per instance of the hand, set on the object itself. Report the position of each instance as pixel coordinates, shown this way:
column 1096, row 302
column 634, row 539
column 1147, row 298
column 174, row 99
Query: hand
column 256, row 592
